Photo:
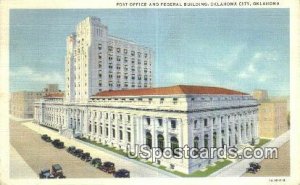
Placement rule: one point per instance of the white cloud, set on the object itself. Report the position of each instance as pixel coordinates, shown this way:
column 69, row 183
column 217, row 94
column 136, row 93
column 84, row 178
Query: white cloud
column 229, row 60
column 37, row 76
column 257, row 67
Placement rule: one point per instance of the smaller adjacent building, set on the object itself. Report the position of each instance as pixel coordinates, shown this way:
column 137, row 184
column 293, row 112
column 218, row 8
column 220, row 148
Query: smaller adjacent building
column 22, row 102
column 272, row 114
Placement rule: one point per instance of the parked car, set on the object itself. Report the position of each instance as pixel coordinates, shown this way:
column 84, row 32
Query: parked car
column 55, row 141
column 45, row 174
column 71, row 149
column 60, row 145
column 96, row 162
column 108, row 167
column 57, row 171
column 78, row 152
column 255, row 165
column 46, row 138
column 122, row 173
column 86, row 157
column 251, row 170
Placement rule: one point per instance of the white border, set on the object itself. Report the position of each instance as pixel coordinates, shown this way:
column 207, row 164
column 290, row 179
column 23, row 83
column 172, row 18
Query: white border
column 6, row 5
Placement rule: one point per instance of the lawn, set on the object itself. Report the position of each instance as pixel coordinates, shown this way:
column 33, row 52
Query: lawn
column 262, row 142
column 210, row 169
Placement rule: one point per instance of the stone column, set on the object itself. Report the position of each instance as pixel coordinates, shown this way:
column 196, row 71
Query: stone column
column 211, row 132
column 219, row 132
column 226, row 131
column 153, row 131
column 166, row 131
column 233, row 131
column 202, row 133
column 239, row 134
column 180, row 123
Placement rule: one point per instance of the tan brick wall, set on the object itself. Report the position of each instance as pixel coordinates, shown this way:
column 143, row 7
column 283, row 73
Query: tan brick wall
column 272, row 119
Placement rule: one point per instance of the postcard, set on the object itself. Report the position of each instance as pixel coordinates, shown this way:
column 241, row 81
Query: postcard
column 131, row 92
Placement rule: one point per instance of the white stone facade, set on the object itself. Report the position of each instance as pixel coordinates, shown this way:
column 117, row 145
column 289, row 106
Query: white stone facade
column 196, row 118
column 96, row 61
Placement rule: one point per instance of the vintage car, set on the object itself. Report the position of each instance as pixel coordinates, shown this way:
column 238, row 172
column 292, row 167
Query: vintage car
column 78, row 153
column 255, row 165
column 122, row 173
column 57, row 171
column 251, row 170
column 96, row 162
column 108, row 167
column 59, row 144
column 71, row 149
column 46, row 138
column 86, row 157
column 45, row 174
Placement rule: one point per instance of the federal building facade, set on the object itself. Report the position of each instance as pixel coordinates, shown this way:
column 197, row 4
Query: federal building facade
column 122, row 111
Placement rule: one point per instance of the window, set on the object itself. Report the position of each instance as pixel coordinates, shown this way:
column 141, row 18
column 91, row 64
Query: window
column 174, row 145
column 128, row 136
column 99, row 46
column 95, row 128
column 128, row 117
column 110, row 48
column 160, row 141
column 196, row 142
column 160, row 121
column 114, row 133
column 173, row 124
column 90, row 127
column 120, row 134
column 148, row 121
column 175, row 100
column 106, row 131
column 101, row 130
column 205, row 122
column 125, row 51
column 118, row 50
column 195, row 124
column 132, row 53
column 206, row 141
column 149, row 139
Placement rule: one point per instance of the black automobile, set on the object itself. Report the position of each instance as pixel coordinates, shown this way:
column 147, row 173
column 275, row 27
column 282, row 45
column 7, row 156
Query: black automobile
column 46, row 138
column 86, row 157
column 78, row 152
column 255, row 165
column 71, row 149
column 96, row 162
column 57, row 171
column 60, row 145
column 55, row 141
column 122, row 173
column 45, row 174
column 251, row 170
column 108, row 167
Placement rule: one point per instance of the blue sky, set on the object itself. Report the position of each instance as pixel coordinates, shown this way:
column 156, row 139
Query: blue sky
column 242, row 49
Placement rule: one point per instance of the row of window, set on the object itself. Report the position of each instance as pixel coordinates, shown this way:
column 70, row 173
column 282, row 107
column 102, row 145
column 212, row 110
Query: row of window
column 125, row 51
column 113, row 132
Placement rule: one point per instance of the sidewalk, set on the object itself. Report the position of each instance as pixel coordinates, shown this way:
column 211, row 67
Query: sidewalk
column 19, row 169
column 137, row 169
column 239, row 168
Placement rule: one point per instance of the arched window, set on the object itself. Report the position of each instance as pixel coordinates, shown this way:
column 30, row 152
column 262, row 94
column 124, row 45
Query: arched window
column 149, row 139
column 196, row 142
column 215, row 139
column 160, row 141
column 174, row 144
column 206, row 141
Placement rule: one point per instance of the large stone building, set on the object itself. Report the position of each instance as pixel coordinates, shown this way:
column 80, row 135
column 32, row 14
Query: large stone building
column 121, row 115
column 272, row 114
column 97, row 61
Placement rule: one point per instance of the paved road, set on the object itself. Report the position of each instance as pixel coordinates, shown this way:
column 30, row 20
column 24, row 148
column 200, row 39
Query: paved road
column 238, row 169
column 136, row 169
column 18, row 167
column 275, row 167
column 39, row 155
